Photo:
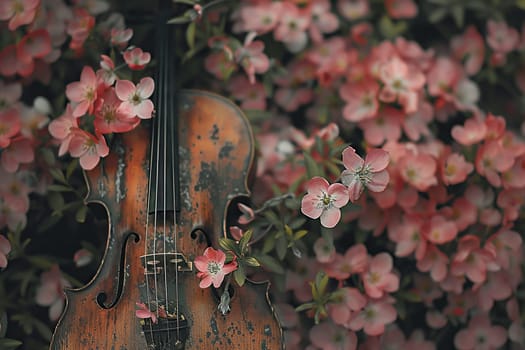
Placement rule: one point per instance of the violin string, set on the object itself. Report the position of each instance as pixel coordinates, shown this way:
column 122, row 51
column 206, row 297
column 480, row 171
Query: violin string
column 157, row 159
column 174, row 156
column 164, row 182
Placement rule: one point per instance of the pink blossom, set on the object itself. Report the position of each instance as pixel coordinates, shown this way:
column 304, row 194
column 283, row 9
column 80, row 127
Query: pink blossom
column 61, row 129
column 20, row 151
column 9, row 126
column 370, row 172
column 469, row 48
column 407, row 233
column 418, row 170
column 501, row 38
column 462, row 212
column 373, row 318
column 386, row 126
column 497, row 286
column 220, row 64
column 5, row 248
column 354, row 261
column 89, row 148
column 401, row 8
column 50, row 292
column 434, row 261
column 82, row 257
column 110, row 118
column 322, row 20
column 83, row 93
column 251, row 57
column 401, row 83
column 439, row 230
column 471, row 260
column 378, row 278
column 10, row 93
column 327, row 336
column 435, row 319
column 361, row 98
column 324, row 200
column 251, row 96
column 136, row 59
column 135, row 99
column 80, row 28
column 506, row 245
column 35, row 44
column 353, row 9
column 18, row 12
column 11, row 63
column 144, row 312
column 120, row 37
column 480, row 334
column 455, row 169
column 491, row 160
column 292, row 27
column 349, row 301
column 415, row 124
column 212, row 267
column 106, row 73
column 471, row 133
column 261, row 18
column 247, row 214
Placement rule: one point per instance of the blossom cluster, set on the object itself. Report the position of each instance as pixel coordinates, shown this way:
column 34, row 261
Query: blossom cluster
column 447, row 202
column 41, row 41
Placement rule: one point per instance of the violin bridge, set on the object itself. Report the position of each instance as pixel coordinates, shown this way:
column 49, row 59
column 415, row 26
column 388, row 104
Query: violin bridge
column 156, row 263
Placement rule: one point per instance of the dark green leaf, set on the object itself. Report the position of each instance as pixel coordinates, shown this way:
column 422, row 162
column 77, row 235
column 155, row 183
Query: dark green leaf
column 312, row 169
column 270, row 263
column 9, row 344
column 239, row 275
column 228, row 244
column 81, row 214
column 251, row 261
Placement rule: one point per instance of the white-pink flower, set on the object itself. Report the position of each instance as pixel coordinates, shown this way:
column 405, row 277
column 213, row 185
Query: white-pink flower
column 135, row 100
column 324, row 200
column 212, row 267
column 370, row 172
column 88, row 148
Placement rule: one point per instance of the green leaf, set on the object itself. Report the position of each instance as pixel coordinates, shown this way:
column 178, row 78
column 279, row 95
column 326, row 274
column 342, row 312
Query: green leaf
column 437, row 15
column 56, row 201
column 270, row 263
column 59, row 188
column 81, row 214
column 9, row 344
column 251, row 261
column 58, row 175
column 239, row 275
column 520, row 4
column 312, row 169
column 190, row 35
column 281, row 247
column 269, row 244
column 71, row 167
column 299, row 234
column 245, row 239
column 228, row 244
column 304, row 307
column 458, row 12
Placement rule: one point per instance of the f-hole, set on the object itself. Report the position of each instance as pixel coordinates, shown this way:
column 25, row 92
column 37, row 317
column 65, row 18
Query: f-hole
column 102, row 296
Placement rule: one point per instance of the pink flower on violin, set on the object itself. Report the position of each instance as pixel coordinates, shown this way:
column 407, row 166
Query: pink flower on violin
column 83, row 93
column 212, row 267
column 324, row 200
column 370, row 172
column 88, row 148
column 135, row 99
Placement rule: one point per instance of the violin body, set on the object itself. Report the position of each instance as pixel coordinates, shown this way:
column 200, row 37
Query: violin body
column 215, row 154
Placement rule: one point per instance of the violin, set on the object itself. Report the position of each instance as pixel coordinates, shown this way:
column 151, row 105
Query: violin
column 166, row 188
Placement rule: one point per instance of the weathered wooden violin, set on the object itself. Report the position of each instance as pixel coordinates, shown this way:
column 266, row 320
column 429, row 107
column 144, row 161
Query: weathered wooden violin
column 166, row 188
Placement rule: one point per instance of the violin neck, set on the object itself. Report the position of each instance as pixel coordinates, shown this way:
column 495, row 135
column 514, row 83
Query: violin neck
column 164, row 165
